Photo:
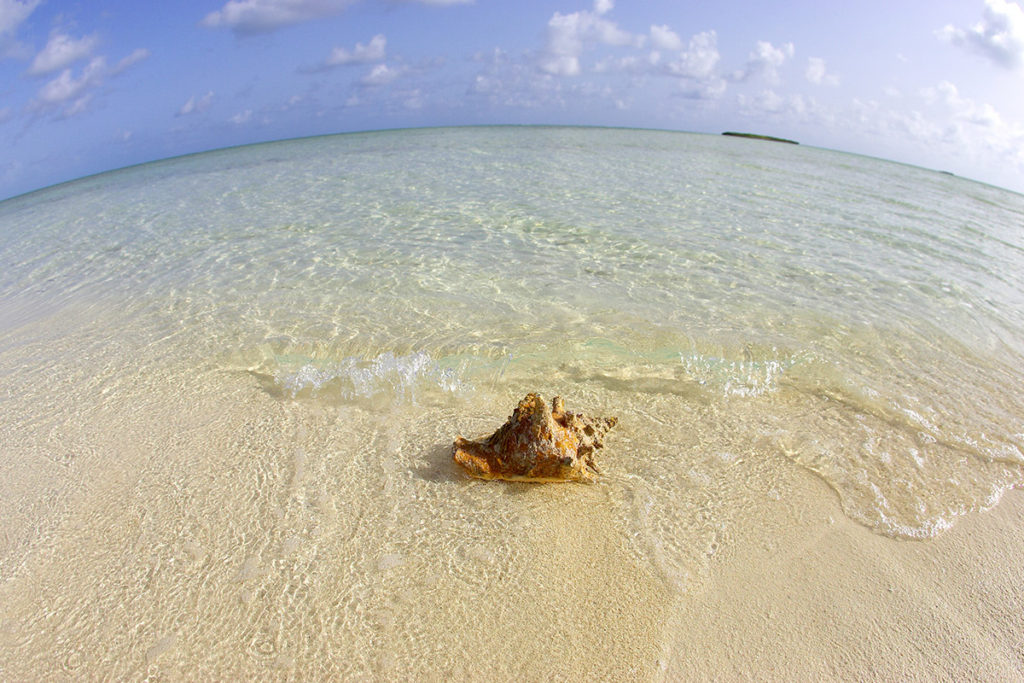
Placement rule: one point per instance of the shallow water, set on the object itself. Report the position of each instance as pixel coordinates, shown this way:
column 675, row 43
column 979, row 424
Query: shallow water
column 231, row 382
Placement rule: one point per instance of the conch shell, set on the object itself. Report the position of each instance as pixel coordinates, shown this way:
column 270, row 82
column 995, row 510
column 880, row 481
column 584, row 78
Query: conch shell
column 537, row 444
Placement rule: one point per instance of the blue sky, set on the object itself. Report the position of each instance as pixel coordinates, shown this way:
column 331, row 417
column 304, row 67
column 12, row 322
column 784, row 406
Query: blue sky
column 95, row 85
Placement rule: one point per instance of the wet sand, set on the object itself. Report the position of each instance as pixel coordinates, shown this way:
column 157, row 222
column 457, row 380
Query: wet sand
column 229, row 543
column 230, row 535
column 810, row 595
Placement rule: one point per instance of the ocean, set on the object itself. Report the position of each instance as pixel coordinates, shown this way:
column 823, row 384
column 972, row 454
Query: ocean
column 231, row 382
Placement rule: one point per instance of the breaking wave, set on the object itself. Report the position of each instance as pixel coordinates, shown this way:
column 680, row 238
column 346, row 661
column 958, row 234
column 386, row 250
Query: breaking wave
column 747, row 378
column 399, row 377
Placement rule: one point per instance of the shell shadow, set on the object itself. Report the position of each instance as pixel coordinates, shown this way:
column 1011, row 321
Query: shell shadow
column 435, row 464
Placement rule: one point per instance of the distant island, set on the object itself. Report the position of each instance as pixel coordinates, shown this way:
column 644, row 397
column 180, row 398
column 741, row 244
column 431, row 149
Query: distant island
column 760, row 137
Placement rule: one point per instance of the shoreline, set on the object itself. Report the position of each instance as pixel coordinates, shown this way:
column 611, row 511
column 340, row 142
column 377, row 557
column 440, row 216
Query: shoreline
column 542, row 580
column 814, row 595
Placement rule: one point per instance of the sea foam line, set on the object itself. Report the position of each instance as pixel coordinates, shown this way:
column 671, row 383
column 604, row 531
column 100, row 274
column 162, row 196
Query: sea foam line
column 747, row 378
column 359, row 378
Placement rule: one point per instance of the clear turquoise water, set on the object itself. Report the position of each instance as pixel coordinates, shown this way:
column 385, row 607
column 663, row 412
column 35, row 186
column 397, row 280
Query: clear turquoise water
column 354, row 302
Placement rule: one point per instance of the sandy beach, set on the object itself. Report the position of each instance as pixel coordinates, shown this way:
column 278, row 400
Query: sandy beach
column 810, row 595
column 249, row 566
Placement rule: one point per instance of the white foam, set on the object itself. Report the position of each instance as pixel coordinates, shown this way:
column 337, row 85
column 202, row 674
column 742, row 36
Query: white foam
column 353, row 378
column 747, row 378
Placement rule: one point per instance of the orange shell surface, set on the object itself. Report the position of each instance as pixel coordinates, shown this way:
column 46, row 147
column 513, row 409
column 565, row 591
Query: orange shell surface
column 536, row 444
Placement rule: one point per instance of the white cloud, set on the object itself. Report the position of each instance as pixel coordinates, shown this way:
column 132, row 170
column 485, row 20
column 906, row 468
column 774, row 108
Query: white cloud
column 195, row 105
column 484, row 84
column 495, row 57
column 67, row 87
column 134, row 58
column 261, row 16
column 628, row 64
column 699, row 59
column 998, row 36
column 694, row 63
column 570, row 34
column 12, row 14
column 374, row 51
column 938, row 126
column 381, row 74
column 72, row 94
column 963, row 109
column 818, row 74
column 711, row 89
column 790, row 109
column 765, row 101
column 241, row 117
column 664, row 38
column 510, row 82
column 78, row 106
column 61, row 50
column 765, row 61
